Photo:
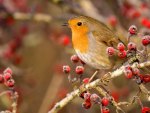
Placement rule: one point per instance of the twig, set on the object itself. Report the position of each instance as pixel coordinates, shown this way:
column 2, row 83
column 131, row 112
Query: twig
column 145, row 91
column 14, row 104
column 95, row 73
column 36, row 17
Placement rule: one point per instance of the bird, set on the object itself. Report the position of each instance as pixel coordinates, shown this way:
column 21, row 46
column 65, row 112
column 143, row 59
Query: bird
column 90, row 39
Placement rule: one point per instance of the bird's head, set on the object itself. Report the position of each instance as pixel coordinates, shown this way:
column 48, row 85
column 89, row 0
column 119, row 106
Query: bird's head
column 79, row 24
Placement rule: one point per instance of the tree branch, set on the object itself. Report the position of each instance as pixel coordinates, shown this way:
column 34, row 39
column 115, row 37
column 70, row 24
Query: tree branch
column 58, row 106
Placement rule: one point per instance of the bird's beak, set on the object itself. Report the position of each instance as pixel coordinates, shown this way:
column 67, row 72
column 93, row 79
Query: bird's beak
column 65, row 24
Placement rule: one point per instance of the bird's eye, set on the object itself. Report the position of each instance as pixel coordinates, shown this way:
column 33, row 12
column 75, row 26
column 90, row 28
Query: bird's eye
column 79, row 23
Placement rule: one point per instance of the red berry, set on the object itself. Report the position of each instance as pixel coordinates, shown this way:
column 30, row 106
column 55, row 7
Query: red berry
column 148, row 24
column 82, row 94
column 86, row 104
column 110, row 51
column 7, row 76
column 144, row 21
column 95, row 98
column 121, row 47
column 1, row 78
column 122, row 54
column 146, row 78
column 128, row 67
column 86, row 80
column 146, row 40
column 79, row 69
column 10, row 83
column 65, row 40
column 105, row 110
column 115, row 95
column 132, row 30
column 10, row 20
column 136, row 71
column 134, row 13
column 112, row 21
column 145, row 110
column 87, row 96
column 66, row 69
column 75, row 58
column 128, row 74
column 141, row 77
column 105, row 101
column 8, row 70
column 131, row 46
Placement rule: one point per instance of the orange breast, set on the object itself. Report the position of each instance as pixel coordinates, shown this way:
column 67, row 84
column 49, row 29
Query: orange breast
column 80, row 41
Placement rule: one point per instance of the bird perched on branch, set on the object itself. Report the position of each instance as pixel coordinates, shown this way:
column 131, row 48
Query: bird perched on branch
column 90, row 39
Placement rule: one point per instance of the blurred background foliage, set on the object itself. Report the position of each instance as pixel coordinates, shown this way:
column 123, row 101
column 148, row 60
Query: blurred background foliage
column 35, row 45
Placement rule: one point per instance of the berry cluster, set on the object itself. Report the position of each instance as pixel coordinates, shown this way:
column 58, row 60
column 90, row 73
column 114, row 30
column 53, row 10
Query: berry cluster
column 79, row 70
column 134, row 73
column 7, row 21
column 122, row 53
column 10, row 52
column 132, row 52
column 136, row 14
column 6, row 78
column 90, row 99
column 130, row 11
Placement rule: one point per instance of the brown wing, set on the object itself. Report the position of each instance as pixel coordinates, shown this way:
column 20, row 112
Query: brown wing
column 105, row 35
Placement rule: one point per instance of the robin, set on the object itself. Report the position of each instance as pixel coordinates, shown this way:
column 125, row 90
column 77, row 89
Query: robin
column 90, row 39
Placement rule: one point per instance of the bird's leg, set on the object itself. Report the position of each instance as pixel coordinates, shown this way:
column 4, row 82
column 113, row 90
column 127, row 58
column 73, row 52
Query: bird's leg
column 95, row 73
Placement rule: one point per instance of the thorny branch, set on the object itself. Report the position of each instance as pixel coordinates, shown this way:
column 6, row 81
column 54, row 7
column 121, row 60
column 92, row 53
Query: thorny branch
column 106, row 78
